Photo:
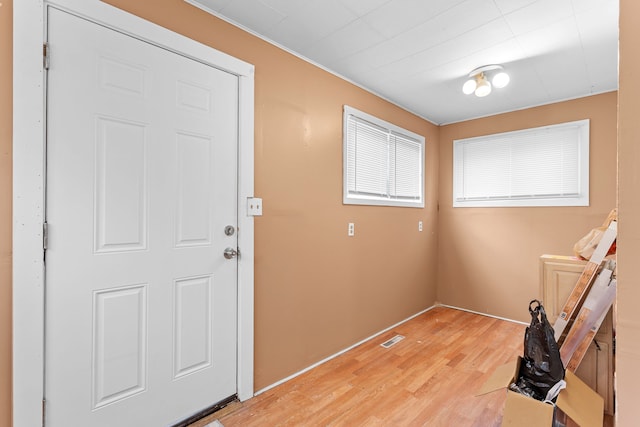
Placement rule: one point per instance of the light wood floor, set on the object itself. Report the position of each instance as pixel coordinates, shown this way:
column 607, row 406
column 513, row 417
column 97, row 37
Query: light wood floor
column 428, row 379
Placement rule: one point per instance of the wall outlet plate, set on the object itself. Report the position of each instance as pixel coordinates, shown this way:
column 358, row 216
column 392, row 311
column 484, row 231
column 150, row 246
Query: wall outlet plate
column 254, row 206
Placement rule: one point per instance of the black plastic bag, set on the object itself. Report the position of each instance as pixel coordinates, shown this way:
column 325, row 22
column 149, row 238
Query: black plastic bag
column 541, row 367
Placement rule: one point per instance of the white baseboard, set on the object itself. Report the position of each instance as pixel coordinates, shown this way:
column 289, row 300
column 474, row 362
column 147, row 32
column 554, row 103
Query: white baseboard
column 482, row 314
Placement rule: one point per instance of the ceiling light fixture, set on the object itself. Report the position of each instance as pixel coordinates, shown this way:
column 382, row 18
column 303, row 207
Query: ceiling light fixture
column 479, row 84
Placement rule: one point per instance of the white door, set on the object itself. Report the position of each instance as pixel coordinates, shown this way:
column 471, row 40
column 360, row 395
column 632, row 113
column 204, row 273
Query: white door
column 141, row 182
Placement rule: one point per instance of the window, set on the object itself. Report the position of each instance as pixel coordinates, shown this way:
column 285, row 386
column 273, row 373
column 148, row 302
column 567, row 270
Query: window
column 545, row 166
column 383, row 164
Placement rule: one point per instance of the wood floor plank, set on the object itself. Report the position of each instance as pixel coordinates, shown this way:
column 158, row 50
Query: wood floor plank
column 430, row 378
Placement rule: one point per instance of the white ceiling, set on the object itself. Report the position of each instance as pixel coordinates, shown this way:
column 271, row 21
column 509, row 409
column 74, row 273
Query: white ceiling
column 418, row 53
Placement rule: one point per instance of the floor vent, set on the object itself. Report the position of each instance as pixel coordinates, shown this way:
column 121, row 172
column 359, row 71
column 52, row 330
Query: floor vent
column 392, row 341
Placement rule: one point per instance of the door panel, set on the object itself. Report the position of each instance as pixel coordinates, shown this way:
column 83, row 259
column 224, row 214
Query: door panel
column 121, row 189
column 192, row 325
column 194, row 183
column 120, row 344
column 141, row 305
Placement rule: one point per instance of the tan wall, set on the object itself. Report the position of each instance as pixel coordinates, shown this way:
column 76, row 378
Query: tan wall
column 628, row 332
column 317, row 290
column 6, row 126
column 488, row 257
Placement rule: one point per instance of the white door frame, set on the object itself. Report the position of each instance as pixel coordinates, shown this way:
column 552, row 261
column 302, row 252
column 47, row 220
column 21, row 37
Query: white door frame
column 29, row 187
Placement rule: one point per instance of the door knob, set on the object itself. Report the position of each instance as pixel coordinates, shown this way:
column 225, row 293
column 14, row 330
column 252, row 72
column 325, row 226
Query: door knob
column 230, row 253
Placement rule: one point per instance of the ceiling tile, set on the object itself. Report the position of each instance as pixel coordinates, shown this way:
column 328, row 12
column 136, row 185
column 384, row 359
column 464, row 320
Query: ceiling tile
column 398, row 16
column 355, row 64
column 286, row 7
column 467, row 44
column 508, row 6
column 600, row 48
column 563, row 73
column 393, row 50
column 354, row 37
column 593, row 23
column 378, row 82
column 580, row 6
column 538, row 15
column 601, row 59
column 310, row 24
column 455, row 21
column 261, row 21
column 559, row 35
column 363, row 7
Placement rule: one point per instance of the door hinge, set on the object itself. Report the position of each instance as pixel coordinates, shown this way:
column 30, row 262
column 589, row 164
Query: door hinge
column 45, row 55
column 45, row 235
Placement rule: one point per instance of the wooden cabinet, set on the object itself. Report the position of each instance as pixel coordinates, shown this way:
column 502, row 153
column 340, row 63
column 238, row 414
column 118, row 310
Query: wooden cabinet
column 558, row 276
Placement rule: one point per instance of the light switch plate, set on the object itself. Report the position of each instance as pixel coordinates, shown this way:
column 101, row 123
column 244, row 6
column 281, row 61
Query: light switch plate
column 254, row 206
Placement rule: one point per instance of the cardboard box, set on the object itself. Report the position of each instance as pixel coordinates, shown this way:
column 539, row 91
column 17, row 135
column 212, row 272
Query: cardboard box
column 578, row 401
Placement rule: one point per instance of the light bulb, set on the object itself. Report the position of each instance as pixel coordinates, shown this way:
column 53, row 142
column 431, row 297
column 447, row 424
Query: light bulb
column 500, row 80
column 483, row 86
column 469, row 86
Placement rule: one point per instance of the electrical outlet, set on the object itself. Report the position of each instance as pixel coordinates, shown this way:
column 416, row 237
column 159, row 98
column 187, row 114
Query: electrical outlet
column 254, row 206
column 351, row 231
column 419, row 225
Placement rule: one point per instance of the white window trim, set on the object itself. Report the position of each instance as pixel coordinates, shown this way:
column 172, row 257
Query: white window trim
column 351, row 199
column 581, row 200
column 29, row 188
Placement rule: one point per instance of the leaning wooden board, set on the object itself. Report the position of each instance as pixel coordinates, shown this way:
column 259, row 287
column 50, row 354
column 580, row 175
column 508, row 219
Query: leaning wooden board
column 585, row 280
column 589, row 319
column 578, row 355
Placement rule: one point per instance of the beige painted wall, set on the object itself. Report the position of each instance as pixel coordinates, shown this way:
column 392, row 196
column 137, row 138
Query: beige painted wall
column 6, row 126
column 317, row 290
column 488, row 257
column 628, row 317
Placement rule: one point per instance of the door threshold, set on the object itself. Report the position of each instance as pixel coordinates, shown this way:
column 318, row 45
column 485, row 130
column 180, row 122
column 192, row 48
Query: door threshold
column 207, row 412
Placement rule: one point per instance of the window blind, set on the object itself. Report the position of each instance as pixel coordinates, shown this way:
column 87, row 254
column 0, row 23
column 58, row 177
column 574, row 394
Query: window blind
column 382, row 165
column 545, row 166
column 368, row 161
column 406, row 168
